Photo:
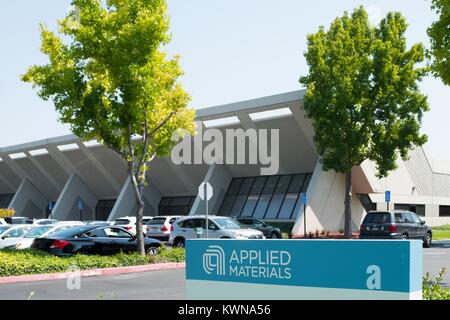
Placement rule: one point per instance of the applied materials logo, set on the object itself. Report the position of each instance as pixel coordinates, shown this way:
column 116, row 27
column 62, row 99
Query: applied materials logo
column 241, row 263
column 214, row 261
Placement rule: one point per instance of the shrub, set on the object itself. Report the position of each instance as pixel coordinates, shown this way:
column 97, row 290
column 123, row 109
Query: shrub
column 6, row 213
column 444, row 227
column 432, row 288
column 24, row 262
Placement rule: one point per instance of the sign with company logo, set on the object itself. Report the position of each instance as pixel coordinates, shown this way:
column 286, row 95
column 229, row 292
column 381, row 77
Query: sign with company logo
column 303, row 269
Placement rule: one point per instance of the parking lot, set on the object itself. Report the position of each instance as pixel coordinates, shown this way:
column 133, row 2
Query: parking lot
column 160, row 285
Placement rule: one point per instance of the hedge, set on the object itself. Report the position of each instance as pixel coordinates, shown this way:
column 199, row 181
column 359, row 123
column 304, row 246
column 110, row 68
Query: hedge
column 25, row 262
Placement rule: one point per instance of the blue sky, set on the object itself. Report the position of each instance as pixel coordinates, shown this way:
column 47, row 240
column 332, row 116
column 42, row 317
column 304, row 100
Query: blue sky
column 231, row 50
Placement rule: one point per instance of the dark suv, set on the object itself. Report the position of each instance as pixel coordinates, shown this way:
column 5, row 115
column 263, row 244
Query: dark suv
column 268, row 230
column 395, row 225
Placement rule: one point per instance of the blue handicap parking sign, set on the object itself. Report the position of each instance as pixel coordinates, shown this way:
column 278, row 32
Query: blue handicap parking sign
column 304, row 198
column 387, row 196
column 80, row 204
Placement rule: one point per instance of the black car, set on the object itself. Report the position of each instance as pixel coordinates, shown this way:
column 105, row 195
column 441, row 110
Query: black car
column 104, row 240
column 395, row 225
column 268, row 230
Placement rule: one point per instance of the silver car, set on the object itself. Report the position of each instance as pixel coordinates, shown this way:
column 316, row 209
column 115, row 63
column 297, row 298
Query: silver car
column 159, row 227
column 194, row 227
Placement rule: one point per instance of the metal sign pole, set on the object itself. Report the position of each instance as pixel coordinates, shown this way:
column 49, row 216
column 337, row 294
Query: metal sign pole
column 206, row 202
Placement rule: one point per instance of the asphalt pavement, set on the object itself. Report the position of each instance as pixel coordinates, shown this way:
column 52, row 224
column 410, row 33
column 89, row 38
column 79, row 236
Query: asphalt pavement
column 157, row 285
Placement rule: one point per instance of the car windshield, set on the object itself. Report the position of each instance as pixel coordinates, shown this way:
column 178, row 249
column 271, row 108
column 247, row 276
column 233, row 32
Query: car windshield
column 228, row 224
column 4, row 228
column 378, row 218
column 156, row 221
column 15, row 232
column 36, row 232
column 121, row 222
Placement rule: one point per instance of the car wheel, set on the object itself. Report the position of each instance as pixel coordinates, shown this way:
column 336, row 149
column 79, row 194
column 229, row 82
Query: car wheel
column 178, row 243
column 427, row 240
column 151, row 251
column 405, row 237
column 274, row 235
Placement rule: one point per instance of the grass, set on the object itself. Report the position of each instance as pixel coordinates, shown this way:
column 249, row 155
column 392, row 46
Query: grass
column 441, row 234
column 26, row 262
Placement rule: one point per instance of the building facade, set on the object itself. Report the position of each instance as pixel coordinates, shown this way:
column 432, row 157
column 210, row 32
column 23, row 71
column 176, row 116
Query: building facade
column 69, row 179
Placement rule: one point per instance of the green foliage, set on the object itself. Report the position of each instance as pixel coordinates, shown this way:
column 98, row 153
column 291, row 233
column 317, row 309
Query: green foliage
column 362, row 92
column 444, row 227
column 440, row 40
column 6, row 213
column 111, row 80
column 14, row 263
column 432, row 288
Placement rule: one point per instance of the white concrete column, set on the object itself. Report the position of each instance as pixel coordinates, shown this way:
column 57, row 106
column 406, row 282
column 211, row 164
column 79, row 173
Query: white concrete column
column 220, row 179
column 66, row 207
column 126, row 202
column 325, row 208
column 28, row 201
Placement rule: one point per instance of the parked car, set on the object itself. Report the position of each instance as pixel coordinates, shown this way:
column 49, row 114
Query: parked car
column 257, row 224
column 43, row 222
column 13, row 231
column 18, row 220
column 97, row 223
column 218, row 228
column 159, row 227
column 3, row 222
column 129, row 223
column 93, row 240
column 70, row 223
column 395, row 225
column 25, row 241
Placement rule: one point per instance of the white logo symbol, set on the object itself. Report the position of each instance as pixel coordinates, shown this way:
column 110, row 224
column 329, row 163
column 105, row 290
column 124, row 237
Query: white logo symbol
column 214, row 260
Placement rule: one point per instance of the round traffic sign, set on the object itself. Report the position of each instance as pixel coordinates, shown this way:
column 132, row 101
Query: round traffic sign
column 205, row 189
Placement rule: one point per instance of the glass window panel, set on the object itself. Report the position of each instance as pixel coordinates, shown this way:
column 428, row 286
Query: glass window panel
column 246, row 186
column 298, row 207
column 444, row 211
column 234, row 186
column 288, row 206
column 165, row 201
column 306, row 183
column 226, row 205
column 180, row 201
column 237, row 206
column 262, row 205
column 297, row 183
column 258, row 185
column 271, row 183
column 250, row 205
column 274, row 206
column 283, row 184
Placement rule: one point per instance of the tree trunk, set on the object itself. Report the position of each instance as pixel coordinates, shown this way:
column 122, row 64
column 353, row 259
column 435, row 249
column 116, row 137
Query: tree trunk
column 139, row 231
column 348, row 205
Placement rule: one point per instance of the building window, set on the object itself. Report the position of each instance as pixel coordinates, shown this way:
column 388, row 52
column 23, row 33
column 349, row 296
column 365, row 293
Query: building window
column 418, row 209
column 179, row 206
column 444, row 211
column 367, row 202
column 265, row 197
column 103, row 209
column 5, row 200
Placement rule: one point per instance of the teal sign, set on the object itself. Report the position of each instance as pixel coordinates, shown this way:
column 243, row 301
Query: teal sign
column 304, row 269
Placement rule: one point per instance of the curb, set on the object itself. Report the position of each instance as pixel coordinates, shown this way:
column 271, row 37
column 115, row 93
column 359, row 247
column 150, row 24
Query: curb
column 93, row 272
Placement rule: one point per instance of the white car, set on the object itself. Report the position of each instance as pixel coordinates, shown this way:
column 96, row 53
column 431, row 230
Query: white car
column 129, row 223
column 219, row 227
column 43, row 222
column 3, row 222
column 159, row 227
column 25, row 241
column 13, row 231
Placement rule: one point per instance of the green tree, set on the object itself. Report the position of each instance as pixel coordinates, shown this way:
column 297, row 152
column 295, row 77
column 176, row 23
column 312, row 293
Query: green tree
column 439, row 34
column 362, row 95
column 110, row 80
